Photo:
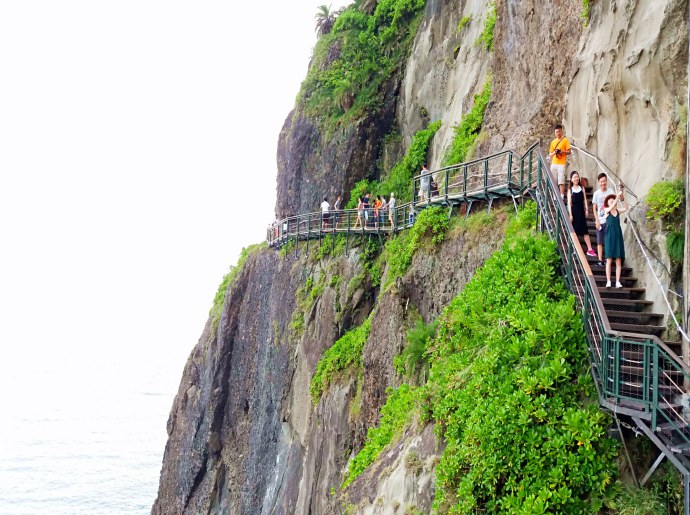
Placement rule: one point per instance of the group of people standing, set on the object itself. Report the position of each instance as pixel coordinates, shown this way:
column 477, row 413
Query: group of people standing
column 373, row 214
column 370, row 214
column 606, row 209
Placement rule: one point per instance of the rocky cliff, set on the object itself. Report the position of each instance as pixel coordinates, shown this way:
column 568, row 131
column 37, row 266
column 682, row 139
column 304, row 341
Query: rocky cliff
column 244, row 435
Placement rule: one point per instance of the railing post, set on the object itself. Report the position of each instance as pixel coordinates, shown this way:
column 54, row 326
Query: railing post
column 616, row 367
column 464, row 182
column 510, row 167
column 655, row 383
column 347, row 232
column 447, row 181
column 486, row 176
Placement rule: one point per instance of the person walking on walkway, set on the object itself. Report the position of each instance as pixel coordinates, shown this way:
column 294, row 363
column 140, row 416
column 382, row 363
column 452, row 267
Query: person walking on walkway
column 366, row 210
column 360, row 210
column 598, row 206
column 377, row 207
column 336, row 208
column 614, row 237
column 325, row 215
column 579, row 210
column 391, row 210
column 382, row 211
column 424, row 183
column 559, row 150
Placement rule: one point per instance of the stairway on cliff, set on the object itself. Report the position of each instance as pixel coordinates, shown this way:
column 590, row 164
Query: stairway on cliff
column 628, row 310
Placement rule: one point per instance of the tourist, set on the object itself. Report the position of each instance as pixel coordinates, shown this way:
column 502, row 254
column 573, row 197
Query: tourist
column 424, row 183
column 366, row 210
column 382, row 211
column 336, row 208
column 579, row 210
column 377, row 207
column 325, row 208
column 559, row 150
column 360, row 210
column 614, row 237
column 599, row 215
column 391, row 210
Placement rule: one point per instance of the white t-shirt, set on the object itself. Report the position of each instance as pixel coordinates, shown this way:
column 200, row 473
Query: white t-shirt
column 325, row 207
column 598, row 200
column 391, row 203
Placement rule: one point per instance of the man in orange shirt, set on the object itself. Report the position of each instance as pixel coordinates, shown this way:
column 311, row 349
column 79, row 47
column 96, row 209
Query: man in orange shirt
column 559, row 150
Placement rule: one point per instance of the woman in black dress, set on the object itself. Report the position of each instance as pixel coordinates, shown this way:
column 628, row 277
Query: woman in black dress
column 579, row 210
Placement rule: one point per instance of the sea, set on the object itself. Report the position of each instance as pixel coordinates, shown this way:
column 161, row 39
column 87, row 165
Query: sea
column 83, row 434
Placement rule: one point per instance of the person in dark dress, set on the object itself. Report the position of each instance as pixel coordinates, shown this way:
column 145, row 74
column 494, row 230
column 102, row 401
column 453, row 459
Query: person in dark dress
column 579, row 210
column 613, row 247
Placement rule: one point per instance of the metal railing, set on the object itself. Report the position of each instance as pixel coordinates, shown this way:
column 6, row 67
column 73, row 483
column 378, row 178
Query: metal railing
column 636, row 374
column 483, row 179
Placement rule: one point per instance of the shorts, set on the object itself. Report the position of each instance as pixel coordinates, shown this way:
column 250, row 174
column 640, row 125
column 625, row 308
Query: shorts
column 601, row 234
column 559, row 172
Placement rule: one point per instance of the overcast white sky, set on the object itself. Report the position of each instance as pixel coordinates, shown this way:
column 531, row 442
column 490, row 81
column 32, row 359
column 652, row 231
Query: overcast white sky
column 137, row 157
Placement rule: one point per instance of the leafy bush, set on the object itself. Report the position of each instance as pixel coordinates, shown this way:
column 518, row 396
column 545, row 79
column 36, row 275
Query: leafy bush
column 675, row 246
column 350, row 63
column 584, row 13
column 430, row 225
column 346, row 353
column 487, row 35
column 399, row 179
column 331, row 245
column 507, row 389
column 666, row 201
column 471, row 125
column 414, row 357
column 464, row 23
column 228, row 280
column 395, row 413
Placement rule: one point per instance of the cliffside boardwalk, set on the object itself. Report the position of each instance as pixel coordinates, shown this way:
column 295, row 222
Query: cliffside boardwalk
column 641, row 380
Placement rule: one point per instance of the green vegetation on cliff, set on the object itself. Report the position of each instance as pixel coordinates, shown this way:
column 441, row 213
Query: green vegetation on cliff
column 430, row 226
column 666, row 201
column 399, row 179
column 395, row 414
column 345, row 354
column 352, row 61
column 509, row 391
column 468, row 130
column 228, row 279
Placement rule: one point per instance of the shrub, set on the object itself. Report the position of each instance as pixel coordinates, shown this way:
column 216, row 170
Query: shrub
column 507, row 389
column 395, row 413
column 414, row 357
column 350, row 63
column 399, row 179
column 346, row 353
column 467, row 132
column 464, row 23
column 487, row 35
column 666, row 200
column 228, row 279
column 430, row 225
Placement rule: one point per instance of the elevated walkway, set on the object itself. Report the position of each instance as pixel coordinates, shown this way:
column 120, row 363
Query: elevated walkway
column 641, row 380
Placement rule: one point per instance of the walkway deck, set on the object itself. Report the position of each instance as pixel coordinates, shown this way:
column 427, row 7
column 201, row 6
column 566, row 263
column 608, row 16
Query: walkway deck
column 501, row 175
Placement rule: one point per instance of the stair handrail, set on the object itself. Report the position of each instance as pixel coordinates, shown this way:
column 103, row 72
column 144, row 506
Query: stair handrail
column 640, row 243
column 604, row 168
column 590, row 276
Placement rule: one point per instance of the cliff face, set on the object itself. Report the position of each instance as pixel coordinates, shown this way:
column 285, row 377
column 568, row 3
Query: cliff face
column 244, row 435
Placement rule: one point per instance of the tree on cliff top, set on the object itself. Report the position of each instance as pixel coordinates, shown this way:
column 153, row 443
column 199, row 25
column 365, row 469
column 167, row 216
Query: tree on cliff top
column 324, row 19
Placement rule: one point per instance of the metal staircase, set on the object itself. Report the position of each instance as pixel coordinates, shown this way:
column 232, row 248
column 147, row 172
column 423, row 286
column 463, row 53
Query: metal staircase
column 638, row 376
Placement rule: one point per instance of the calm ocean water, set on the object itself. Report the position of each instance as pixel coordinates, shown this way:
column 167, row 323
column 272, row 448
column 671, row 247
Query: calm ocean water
column 83, row 436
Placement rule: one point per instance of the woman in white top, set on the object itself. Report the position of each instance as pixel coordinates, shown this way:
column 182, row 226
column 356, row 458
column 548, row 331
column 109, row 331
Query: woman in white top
column 360, row 208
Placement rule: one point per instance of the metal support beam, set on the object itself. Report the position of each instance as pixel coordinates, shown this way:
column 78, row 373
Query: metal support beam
column 651, row 471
